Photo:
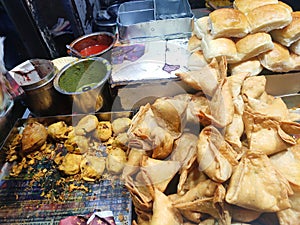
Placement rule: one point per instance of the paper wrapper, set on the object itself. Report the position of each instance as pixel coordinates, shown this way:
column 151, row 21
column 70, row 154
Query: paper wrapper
column 96, row 218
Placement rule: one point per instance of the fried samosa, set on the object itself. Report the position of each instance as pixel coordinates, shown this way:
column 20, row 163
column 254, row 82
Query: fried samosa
column 159, row 172
column 256, row 185
column 214, row 155
column 170, row 114
column 164, row 213
column 288, row 163
column 265, row 134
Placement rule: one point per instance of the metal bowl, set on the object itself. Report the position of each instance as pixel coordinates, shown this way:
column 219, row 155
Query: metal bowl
column 83, row 82
column 94, row 44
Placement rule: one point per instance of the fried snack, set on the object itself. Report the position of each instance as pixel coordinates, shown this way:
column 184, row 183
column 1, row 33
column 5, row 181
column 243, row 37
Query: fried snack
column 92, row 167
column 197, row 60
column 193, row 177
column 205, row 79
column 164, row 211
column 139, row 131
column 134, row 162
column 141, row 197
column 116, row 159
column 243, row 215
column 59, row 130
column 34, row 136
column 275, row 109
column 221, row 106
column 214, row 155
column 170, row 114
column 120, row 125
column 207, row 197
column 264, row 134
column 103, row 131
column 290, row 157
column 291, row 215
column 234, row 131
column 159, row 172
column 77, row 144
column 87, row 124
column 71, row 164
column 256, row 172
column 254, row 87
column 162, row 143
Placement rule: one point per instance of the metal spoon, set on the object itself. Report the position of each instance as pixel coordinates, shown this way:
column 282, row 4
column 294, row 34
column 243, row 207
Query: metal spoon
column 76, row 53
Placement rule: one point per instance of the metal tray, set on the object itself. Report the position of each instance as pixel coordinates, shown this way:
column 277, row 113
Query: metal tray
column 21, row 203
column 154, row 19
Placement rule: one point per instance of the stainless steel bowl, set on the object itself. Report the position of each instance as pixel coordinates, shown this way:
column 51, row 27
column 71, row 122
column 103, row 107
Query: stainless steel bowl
column 94, row 39
column 83, row 83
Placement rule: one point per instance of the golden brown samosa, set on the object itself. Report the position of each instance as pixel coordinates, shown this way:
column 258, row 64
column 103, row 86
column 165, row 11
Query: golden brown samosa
column 288, row 163
column 159, row 172
column 256, row 185
column 164, row 213
column 215, row 156
column 265, row 134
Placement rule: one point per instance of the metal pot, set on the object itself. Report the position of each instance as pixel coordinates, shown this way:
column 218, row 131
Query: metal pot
column 40, row 96
column 83, row 83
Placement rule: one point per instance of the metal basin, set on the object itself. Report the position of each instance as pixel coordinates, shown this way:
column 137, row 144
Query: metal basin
column 83, row 82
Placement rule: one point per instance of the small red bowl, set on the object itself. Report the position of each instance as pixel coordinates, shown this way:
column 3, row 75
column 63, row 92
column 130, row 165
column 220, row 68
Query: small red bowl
column 94, row 44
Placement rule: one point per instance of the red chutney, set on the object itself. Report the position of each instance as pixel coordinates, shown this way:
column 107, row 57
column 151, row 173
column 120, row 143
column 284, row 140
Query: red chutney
column 92, row 50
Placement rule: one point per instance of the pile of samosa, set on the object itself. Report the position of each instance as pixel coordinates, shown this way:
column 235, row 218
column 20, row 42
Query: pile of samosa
column 227, row 154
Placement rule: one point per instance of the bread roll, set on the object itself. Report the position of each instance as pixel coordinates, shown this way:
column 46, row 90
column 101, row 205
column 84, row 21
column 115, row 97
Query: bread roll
column 295, row 47
column 246, row 6
column 277, row 60
column 296, row 61
column 215, row 48
column 251, row 66
column 228, row 22
column 201, row 27
column 286, row 6
column 290, row 33
column 269, row 17
column 254, row 44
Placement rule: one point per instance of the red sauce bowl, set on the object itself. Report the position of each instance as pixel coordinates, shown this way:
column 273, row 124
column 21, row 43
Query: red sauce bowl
column 94, row 44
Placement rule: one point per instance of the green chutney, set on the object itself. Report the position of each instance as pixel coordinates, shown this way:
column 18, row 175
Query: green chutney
column 82, row 76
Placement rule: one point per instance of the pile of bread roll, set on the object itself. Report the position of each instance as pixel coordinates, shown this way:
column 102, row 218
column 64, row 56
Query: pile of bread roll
column 253, row 35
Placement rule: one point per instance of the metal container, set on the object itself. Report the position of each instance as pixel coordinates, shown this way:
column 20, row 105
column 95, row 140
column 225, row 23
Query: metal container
column 36, row 77
column 154, row 19
column 83, row 44
column 83, row 83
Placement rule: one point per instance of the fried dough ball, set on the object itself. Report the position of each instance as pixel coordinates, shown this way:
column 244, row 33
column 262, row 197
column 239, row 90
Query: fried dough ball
column 92, row 167
column 116, row 159
column 34, row 136
column 120, row 125
column 58, row 130
column 77, row 144
column 86, row 124
column 121, row 140
column 103, row 131
column 71, row 164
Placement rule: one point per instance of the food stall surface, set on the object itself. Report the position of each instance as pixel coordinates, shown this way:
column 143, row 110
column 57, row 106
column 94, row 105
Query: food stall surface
column 41, row 194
